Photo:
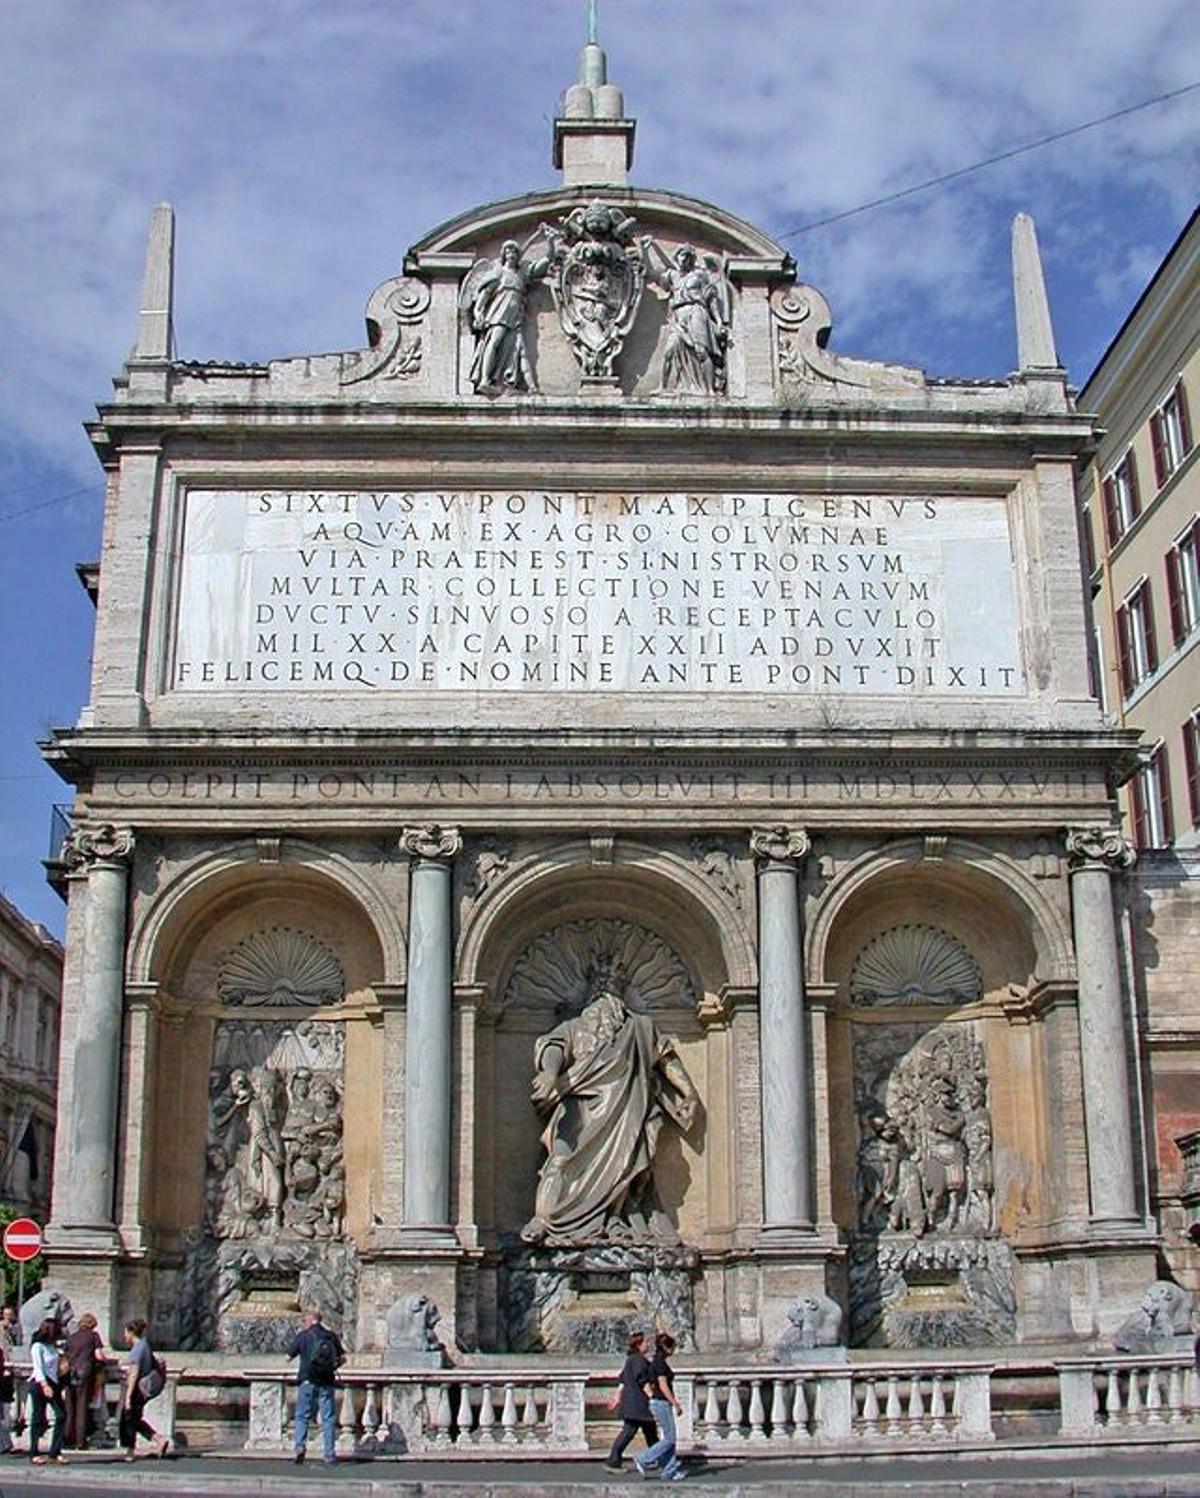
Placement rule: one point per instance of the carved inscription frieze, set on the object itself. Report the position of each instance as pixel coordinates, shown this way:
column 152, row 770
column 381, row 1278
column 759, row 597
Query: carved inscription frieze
column 287, row 590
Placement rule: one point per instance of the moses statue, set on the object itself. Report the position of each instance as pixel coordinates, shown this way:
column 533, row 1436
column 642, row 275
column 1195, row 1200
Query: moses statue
column 605, row 1082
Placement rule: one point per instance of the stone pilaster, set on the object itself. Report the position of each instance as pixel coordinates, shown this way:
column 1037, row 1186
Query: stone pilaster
column 783, row 1039
column 102, row 856
column 1095, row 854
column 428, row 1077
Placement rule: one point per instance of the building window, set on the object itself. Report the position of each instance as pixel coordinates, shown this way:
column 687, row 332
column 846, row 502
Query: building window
column 1191, row 758
column 1135, row 637
column 1122, row 506
column 1170, row 434
column 1150, row 789
column 1183, row 582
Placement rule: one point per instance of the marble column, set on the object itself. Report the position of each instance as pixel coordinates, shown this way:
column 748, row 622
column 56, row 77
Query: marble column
column 101, row 855
column 429, row 1031
column 783, row 1040
column 1095, row 854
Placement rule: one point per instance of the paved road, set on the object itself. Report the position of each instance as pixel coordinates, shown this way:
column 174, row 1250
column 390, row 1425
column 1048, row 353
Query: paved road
column 1150, row 1474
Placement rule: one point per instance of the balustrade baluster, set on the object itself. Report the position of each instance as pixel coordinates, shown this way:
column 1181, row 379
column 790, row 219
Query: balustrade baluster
column 487, row 1414
column 757, row 1413
column 800, row 1415
column 1175, row 1394
column 441, row 1415
column 347, row 1420
column 916, row 1405
column 1154, row 1415
column 733, row 1412
column 711, row 1419
column 870, row 1408
column 937, row 1406
column 894, row 1408
column 529, row 1413
column 1112, row 1398
column 370, row 1418
column 465, row 1416
column 1133, row 1399
column 508, row 1416
column 779, row 1408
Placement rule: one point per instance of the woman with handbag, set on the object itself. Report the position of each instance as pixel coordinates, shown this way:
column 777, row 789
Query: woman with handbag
column 142, row 1374
column 46, row 1394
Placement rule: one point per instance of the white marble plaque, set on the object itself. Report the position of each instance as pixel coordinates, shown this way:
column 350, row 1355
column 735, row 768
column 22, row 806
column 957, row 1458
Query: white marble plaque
column 294, row 590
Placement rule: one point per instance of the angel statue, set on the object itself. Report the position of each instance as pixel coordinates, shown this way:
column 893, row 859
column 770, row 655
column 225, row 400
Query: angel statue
column 699, row 321
column 605, row 1083
column 494, row 297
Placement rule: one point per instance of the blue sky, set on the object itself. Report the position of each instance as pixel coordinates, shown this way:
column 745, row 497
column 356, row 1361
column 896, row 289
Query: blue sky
column 305, row 144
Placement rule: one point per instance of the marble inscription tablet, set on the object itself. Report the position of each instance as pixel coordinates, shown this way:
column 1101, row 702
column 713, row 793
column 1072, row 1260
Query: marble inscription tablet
column 296, row 590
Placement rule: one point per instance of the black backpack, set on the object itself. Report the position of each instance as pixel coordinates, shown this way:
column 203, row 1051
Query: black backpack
column 325, row 1359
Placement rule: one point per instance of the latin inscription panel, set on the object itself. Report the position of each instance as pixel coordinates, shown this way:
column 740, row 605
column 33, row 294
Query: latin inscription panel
column 297, row 590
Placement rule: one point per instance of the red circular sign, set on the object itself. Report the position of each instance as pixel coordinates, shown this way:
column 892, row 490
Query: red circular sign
column 23, row 1240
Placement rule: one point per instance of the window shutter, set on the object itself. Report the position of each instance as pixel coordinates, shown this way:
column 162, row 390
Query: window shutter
column 1175, row 596
column 1158, row 442
column 1185, row 425
column 1190, row 758
column 1137, row 799
column 1148, row 623
column 1124, row 653
column 1112, row 527
column 1131, row 478
column 1089, row 544
column 1164, row 796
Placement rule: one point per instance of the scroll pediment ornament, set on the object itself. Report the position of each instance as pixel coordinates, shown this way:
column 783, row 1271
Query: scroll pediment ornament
column 558, row 970
column 913, row 964
column 802, row 323
column 394, row 313
column 598, row 276
column 84, row 846
column 280, row 968
column 431, row 842
column 1100, row 847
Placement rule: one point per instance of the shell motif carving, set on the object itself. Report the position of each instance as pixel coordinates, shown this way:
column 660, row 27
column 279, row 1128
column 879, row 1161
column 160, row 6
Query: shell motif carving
column 554, row 973
column 915, row 965
column 280, row 968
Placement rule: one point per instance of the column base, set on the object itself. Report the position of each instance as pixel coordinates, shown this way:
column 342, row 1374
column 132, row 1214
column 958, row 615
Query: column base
column 83, row 1264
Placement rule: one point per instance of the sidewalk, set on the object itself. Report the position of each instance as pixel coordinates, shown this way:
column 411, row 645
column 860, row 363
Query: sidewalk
column 1142, row 1474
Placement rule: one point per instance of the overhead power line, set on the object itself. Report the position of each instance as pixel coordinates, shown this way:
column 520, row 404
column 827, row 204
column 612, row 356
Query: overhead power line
column 978, row 166
column 45, row 504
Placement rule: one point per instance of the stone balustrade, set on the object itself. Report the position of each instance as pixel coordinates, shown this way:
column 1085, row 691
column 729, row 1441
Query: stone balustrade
column 1128, row 1397
column 888, row 1406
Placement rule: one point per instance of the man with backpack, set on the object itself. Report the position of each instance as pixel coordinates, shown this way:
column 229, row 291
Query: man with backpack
column 321, row 1355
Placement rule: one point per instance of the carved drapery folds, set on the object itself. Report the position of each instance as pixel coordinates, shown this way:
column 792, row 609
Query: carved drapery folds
column 280, row 968
column 84, row 847
column 914, row 964
column 699, row 322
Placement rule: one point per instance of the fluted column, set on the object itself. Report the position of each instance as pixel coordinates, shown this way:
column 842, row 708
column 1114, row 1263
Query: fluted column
column 1095, row 854
column 429, row 1033
column 783, row 1048
column 102, row 856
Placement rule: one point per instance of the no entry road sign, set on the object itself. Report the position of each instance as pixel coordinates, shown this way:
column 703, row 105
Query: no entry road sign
column 22, row 1240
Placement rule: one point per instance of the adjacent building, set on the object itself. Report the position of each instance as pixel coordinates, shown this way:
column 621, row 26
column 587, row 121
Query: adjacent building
column 31, row 967
column 1140, row 510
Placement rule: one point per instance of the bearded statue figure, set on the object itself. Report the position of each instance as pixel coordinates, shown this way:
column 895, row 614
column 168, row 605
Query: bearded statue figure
column 605, row 1082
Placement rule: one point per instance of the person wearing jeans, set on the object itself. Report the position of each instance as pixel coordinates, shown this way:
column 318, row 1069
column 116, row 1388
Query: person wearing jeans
column 664, row 1407
column 320, row 1353
column 45, row 1394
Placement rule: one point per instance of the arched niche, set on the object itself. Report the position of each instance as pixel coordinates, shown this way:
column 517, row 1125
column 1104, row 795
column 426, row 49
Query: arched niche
column 227, row 904
column 661, row 895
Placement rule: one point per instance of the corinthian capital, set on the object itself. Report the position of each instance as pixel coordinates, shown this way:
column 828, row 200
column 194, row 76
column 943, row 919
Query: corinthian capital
column 84, row 847
column 431, row 842
column 773, row 845
column 1102, row 847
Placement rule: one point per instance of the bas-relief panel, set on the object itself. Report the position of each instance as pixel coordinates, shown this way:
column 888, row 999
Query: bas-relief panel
column 569, row 591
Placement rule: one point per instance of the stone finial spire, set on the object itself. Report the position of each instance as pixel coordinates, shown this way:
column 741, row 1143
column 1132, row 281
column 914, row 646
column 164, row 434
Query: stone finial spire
column 155, row 319
column 1035, row 334
column 593, row 141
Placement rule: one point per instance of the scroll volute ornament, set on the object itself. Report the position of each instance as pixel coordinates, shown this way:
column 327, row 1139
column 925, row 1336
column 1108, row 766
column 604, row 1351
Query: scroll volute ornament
column 84, row 846
column 1103, row 847
column 431, row 842
column 779, row 844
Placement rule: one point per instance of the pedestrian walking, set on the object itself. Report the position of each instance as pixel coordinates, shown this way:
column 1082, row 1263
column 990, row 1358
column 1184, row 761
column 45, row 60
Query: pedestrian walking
column 83, row 1349
column 144, row 1376
column 632, row 1402
column 664, row 1407
column 46, row 1395
column 321, row 1355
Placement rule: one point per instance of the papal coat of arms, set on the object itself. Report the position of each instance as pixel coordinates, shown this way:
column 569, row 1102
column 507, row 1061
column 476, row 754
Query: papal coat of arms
column 597, row 283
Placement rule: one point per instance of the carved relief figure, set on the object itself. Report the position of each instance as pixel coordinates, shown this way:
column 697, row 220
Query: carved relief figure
column 495, row 297
column 606, row 1082
column 701, row 317
column 977, row 1139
